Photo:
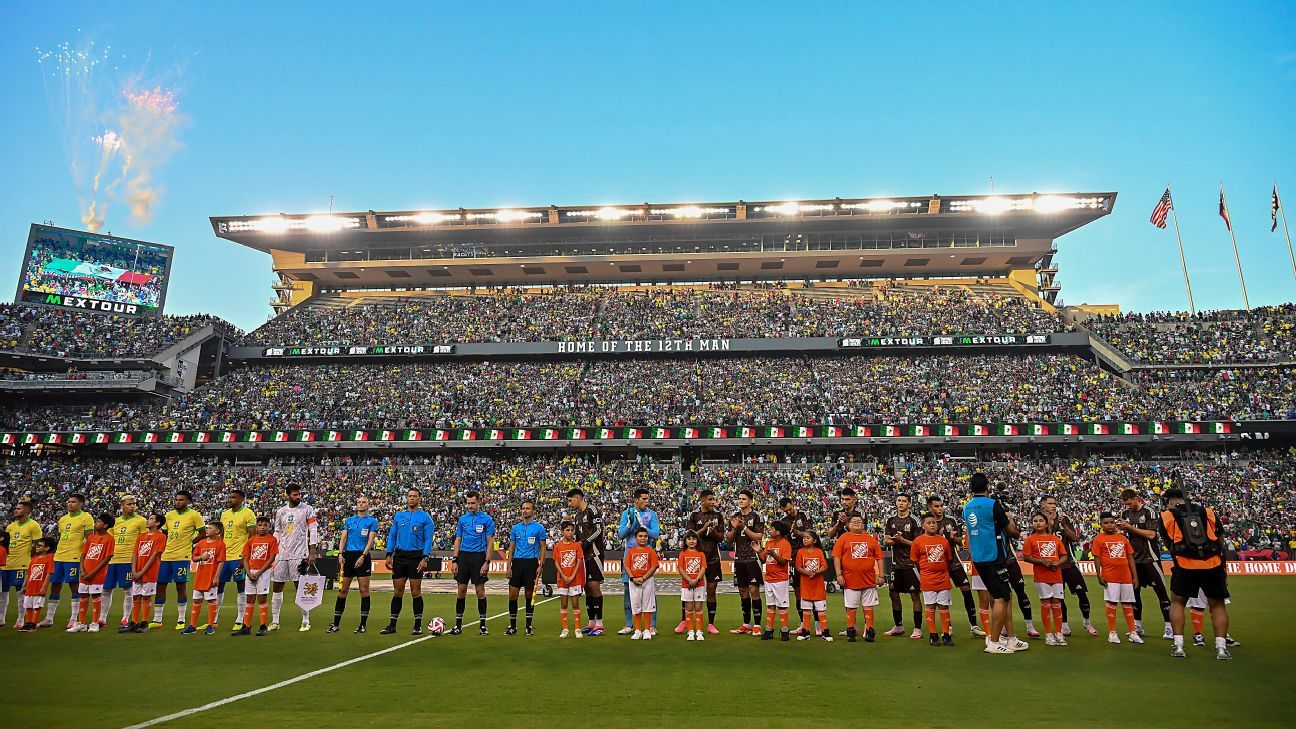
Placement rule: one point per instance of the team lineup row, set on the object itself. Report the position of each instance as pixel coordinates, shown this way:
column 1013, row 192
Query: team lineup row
column 260, row 555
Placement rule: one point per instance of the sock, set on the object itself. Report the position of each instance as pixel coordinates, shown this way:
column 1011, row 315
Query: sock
column 746, row 608
column 1023, row 601
column 265, row 612
column 563, row 613
column 1178, row 641
column 930, row 614
column 107, row 604
column 148, row 608
column 1057, row 618
column 128, row 607
column 396, row 603
column 418, row 608
column 1111, row 617
column 1220, row 642
column 193, row 612
column 917, row 618
column 1138, row 607
column 134, row 611
column 985, row 621
column 81, row 615
column 51, row 607
column 711, row 611
column 769, row 617
column 1198, row 621
column 576, row 617
column 1064, row 611
column 756, row 612
column 898, row 617
column 850, row 618
column 4, row 608
column 1129, row 617
column 240, row 603
column 823, row 623
column 459, row 608
column 96, row 609
column 1138, row 624
column 364, row 609
column 596, row 615
column 1083, row 599
column 247, row 615
column 1030, row 624
column 481, row 610
column 805, row 621
column 530, row 610
column 783, row 619
column 684, row 614
column 181, row 600
column 969, row 604
column 76, row 606
column 276, row 606
column 1046, row 615
column 339, row 607
column 212, row 608
column 945, row 620
column 158, row 606
column 868, row 618
column 513, row 613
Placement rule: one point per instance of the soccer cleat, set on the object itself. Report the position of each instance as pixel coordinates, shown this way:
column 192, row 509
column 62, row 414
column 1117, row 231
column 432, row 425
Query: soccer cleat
column 1059, row 640
column 510, row 630
column 1178, row 652
column 638, row 635
column 977, row 632
column 1032, row 633
column 1168, row 634
column 701, row 635
column 1228, row 641
column 273, row 627
column 998, row 648
column 767, row 635
column 1113, row 638
column 305, row 628
column 332, row 628
column 483, row 630
column 1135, row 638
column 126, row 628
column 1050, row 640
column 456, row 630
column 47, row 623
column 211, row 630
column 870, row 635
column 648, row 635
column 261, row 631
column 916, row 634
column 181, row 625
column 843, row 633
column 141, row 627
column 580, row 635
column 72, row 623
column 785, row 636
column 189, row 630
column 850, row 635
column 595, row 631
column 1066, row 629
column 418, row 627
column 947, row 639
column 804, row 636
column 896, row 632
column 76, row 628
column 827, row 637
column 691, row 636
column 1222, row 654
column 624, row 631
column 360, row 629
column 934, row 640
column 682, row 627
column 154, row 625
column 123, row 624
column 1139, row 629
column 1093, row 632
column 201, row 627
column 565, row 632
column 741, row 630
column 389, row 630
column 238, row 625
column 713, row 630
column 94, row 628
column 242, row 631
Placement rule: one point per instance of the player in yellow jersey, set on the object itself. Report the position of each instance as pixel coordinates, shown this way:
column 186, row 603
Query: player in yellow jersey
column 239, row 523
column 125, row 530
column 73, row 528
column 22, row 531
column 183, row 526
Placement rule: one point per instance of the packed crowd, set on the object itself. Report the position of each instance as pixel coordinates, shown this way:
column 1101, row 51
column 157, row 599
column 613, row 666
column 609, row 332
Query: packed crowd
column 668, row 392
column 1262, row 334
column 50, row 270
column 665, row 313
column 73, row 333
column 1254, row 492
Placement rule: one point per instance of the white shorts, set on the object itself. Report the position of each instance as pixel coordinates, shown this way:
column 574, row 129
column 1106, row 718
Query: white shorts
column 820, row 605
column 205, row 594
column 693, row 594
column 570, row 591
column 91, row 589
column 776, row 594
column 285, row 570
column 1200, row 603
column 1050, row 591
column 144, row 589
column 643, row 598
column 936, row 597
column 1118, row 592
column 861, row 598
column 33, row 602
column 258, row 585
column 977, row 584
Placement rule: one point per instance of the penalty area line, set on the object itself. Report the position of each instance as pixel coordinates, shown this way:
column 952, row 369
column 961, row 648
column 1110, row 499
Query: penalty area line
column 296, row 679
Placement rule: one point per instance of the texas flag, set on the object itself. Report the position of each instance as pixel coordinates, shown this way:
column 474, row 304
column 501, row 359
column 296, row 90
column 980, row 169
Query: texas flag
column 746, row 432
column 832, row 432
column 1129, row 429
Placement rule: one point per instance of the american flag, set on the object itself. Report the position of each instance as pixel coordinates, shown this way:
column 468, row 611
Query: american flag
column 1162, row 209
column 1224, row 211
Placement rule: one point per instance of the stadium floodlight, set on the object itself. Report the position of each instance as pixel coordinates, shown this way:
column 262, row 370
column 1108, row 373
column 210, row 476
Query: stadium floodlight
column 425, row 218
column 271, row 225
column 510, row 216
column 610, row 213
column 328, row 223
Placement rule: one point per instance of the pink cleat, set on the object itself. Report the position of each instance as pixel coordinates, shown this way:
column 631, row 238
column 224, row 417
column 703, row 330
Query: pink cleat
column 681, row 627
column 1032, row 633
column 713, row 630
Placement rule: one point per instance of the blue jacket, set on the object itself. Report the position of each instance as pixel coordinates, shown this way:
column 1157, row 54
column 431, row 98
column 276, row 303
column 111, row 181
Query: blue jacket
column 627, row 526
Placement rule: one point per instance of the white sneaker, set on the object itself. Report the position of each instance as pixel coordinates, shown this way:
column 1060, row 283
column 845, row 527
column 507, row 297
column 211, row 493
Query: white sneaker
column 579, row 635
column 977, row 632
column 273, row 627
column 1168, row 634
column 46, row 623
column 691, row 636
column 77, row 628
column 651, row 631
column 1049, row 639
column 1016, row 644
column 1059, row 639
column 701, row 636
column 804, row 636
column 639, row 635
column 305, row 627
column 648, row 635
column 72, row 623
column 916, row 634
column 1135, row 638
column 1113, row 638
column 566, row 633
column 828, row 639
column 94, row 628
column 626, row 631
column 1066, row 629
column 998, row 648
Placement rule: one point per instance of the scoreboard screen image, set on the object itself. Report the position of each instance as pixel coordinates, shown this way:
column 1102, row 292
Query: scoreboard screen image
column 72, row 269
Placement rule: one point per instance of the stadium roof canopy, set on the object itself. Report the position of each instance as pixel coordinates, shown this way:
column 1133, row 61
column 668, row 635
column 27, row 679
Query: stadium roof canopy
column 835, row 238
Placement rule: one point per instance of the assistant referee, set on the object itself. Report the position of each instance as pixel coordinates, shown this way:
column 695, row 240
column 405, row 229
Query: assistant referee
column 409, row 544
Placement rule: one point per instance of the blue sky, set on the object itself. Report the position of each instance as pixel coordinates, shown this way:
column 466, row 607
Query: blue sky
column 391, row 106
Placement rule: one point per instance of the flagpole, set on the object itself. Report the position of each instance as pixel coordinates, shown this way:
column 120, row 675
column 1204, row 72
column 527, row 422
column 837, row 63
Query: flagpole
column 1192, row 308
column 1283, row 211
column 1245, row 302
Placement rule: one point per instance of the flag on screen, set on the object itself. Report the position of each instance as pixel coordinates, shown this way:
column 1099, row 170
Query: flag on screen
column 1224, row 211
column 1162, row 210
column 227, row 437
column 803, row 432
column 634, row 433
column 1273, row 212
column 54, row 438
column 861, row 431
column 550, row 434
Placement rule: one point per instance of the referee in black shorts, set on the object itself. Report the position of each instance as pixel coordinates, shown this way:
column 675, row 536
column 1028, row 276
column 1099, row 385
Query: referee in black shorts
column 526, row 553
column 409, row 543
column 473, row 544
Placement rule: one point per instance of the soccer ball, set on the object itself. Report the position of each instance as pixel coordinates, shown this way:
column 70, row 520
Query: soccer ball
column 436, row 627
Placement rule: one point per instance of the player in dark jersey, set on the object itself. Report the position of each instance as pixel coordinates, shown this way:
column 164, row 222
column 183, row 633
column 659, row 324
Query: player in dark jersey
column 1060, row 524
column 841, row 517
column 799, row 525
column 952, row 529
column 1140, row 524
column 746, row 527
column 708, row 523
column 1017, row 581
column 589, row 532
column 899, row 532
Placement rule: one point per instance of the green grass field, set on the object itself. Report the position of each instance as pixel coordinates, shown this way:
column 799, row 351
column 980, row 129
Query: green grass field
column 54, row 679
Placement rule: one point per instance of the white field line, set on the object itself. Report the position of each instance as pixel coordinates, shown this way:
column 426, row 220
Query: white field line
column 295, row 679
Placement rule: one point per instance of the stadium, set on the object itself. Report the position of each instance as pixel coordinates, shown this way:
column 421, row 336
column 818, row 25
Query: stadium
column 791, row 349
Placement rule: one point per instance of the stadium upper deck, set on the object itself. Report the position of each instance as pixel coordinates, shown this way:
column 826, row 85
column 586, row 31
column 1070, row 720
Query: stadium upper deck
column 906, row 237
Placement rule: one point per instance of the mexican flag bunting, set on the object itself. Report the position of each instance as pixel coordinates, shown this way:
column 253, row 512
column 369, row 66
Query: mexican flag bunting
column 8, row 439
column 280, row 436
column 254, row 436
column 441, row 435
column 125, row 438
column 1008, row 429
column 578, row 434
column 717, row 433
column 467, row 435
column 746, row 432
column 78, row 438
column 359, row 435
column 1067, row 429
column 1221, row 427
column 978, row 430
column 661, row 433
column 804, row 432
column 522, row 434
column 862, row 431
column 550, row 434
column 1160, row 429
column 949, row 430
column 1099, row 429
column 175, row 437
column 890, row 431
column 921, row 431
column 832, row 431
column 54, row 438
column 31, row 439
column 335, row 435
column 1038, row 429
column 496, row 434
column 634, row 433
column 305, row 436
column 1129, row 429
column 606, row 433
column 690, row 433
column 101, row 438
